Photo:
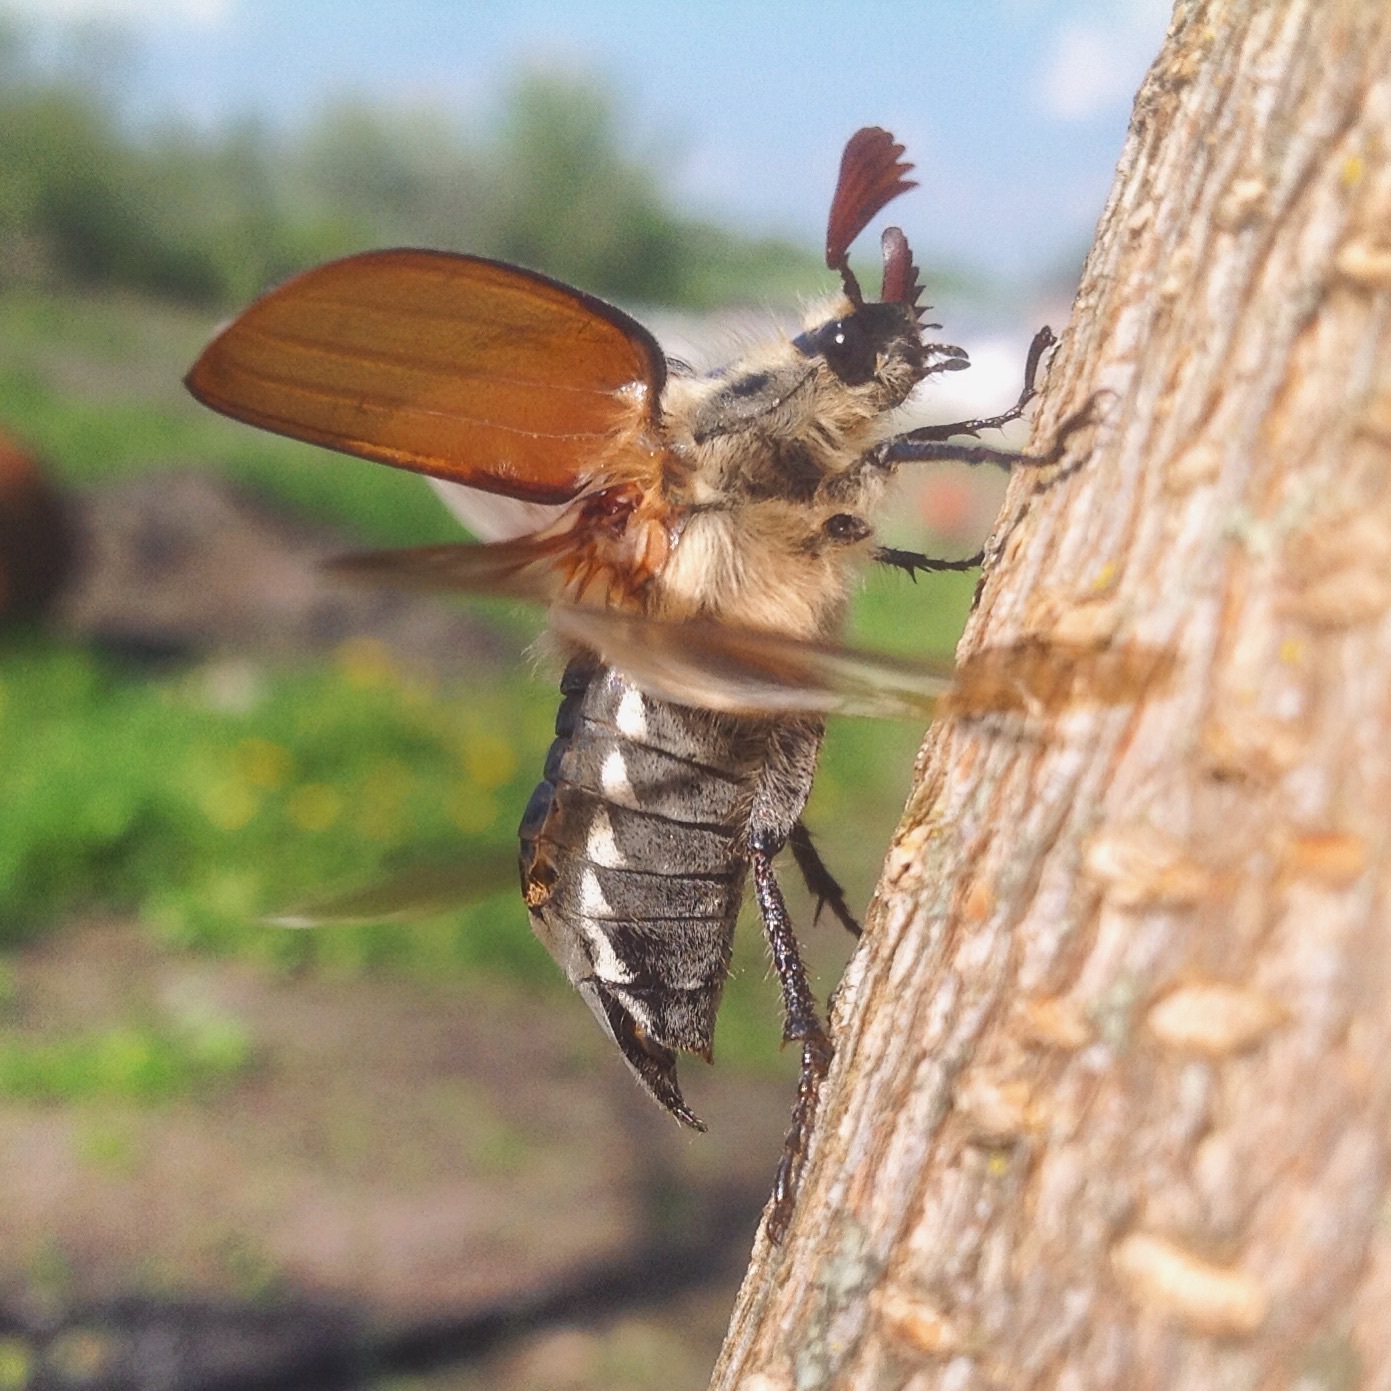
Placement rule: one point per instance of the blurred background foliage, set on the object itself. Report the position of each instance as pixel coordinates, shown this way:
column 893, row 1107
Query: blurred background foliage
column 198, row 795
column 90, row 198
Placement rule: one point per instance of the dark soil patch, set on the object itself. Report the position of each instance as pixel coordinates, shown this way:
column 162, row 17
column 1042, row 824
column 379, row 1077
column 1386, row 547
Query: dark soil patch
column 443, row 1168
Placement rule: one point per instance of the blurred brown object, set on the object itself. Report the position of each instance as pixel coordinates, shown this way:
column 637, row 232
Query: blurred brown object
column 36, row 541
column 180, row 563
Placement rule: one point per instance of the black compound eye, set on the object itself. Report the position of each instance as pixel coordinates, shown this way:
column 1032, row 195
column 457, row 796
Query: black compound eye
column 846, row 527
column 848, row 350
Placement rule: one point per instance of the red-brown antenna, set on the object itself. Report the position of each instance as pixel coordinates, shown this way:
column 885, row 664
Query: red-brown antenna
column 871, row 175
column 900, row 274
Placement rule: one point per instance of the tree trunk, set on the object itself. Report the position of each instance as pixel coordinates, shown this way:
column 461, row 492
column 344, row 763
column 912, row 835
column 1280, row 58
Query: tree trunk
column 1111, row 1105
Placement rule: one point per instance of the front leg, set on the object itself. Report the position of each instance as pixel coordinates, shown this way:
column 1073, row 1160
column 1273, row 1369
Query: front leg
column 911, row 562
column 913, row 446
column 1042, row 341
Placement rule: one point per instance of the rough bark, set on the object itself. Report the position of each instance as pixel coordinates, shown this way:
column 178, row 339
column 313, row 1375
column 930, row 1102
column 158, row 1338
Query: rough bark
column 1112, row 1098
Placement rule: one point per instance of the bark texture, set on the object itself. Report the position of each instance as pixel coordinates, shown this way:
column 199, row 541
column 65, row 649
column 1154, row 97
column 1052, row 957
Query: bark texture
column 1112, row 1099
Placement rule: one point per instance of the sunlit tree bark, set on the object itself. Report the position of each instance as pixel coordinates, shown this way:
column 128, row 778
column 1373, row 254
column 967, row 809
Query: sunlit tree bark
column 1112, row 1099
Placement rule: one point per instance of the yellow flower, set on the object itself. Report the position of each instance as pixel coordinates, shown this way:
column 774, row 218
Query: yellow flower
column 263, row 763
column 489, row 760
column 313, row 807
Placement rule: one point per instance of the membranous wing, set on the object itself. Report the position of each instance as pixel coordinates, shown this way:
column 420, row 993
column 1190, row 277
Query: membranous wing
column 743, row 671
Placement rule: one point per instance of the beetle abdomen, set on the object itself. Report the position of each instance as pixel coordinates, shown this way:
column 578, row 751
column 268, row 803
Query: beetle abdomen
column 633, row 858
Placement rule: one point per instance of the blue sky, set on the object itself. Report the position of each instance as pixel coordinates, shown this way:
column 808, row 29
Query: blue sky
column 1014, row 110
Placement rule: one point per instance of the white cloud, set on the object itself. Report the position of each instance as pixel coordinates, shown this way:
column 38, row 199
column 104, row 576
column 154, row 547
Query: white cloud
column 1084, row 74
column 1096, row 64
column 200, row 13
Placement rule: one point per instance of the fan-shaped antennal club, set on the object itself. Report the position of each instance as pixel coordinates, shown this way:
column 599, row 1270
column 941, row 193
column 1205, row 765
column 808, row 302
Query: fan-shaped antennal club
column 871, row 176
column 901, row 285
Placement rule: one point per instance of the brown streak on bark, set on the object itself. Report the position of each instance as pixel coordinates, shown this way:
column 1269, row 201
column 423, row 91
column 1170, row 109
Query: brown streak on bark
column 1112, row 1096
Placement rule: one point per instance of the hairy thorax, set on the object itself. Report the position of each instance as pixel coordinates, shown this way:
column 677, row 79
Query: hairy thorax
column 773, row 486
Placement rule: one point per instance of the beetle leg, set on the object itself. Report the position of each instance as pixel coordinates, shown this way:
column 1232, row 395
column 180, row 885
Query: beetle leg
column 910, row 562
column 1042, row 341
column 801, row 1024
column 820, row 882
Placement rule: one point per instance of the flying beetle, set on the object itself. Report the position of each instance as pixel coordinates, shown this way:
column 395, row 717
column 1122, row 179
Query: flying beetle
column 696, row 538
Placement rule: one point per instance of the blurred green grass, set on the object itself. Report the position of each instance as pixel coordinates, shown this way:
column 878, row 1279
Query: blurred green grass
column 203, row 797
column 93, row 383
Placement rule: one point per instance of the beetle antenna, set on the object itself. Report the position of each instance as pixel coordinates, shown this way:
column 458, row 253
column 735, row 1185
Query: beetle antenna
column 901, row 284
column 871, row 175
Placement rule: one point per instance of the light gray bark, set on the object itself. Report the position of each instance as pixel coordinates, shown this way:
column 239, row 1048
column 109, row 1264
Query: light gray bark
column 1112, row 1099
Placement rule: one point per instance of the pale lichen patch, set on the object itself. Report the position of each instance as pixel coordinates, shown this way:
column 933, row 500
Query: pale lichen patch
column 1168, row 1280
column 918, row 1325
column 1334, row 858
column 1255, row 748
column 1213, row 1017
column 997, row 1111
column 1365, row 264
column 1140, row 867
column 1054, row 1022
